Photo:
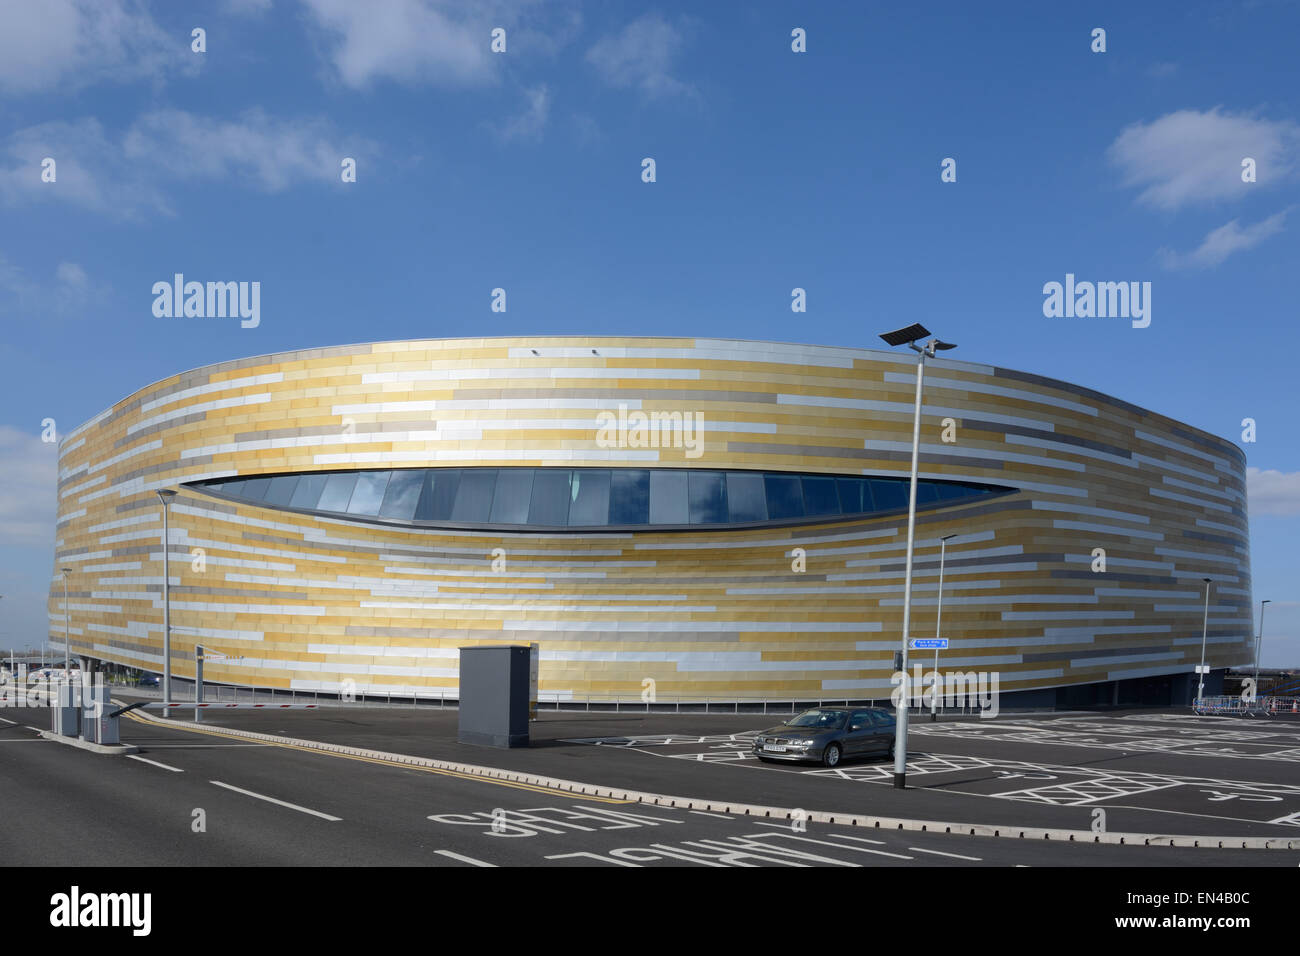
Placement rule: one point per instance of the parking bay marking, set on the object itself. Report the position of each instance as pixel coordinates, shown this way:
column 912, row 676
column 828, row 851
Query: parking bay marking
column 155, row 763
column 282, row 803
column 464, row 859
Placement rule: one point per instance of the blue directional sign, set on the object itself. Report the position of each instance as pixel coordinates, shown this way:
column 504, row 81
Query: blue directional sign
column 929, row 643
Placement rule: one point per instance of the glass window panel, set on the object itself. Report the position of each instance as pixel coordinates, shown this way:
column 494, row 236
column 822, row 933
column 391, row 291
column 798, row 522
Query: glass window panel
column 474, row 496
column 629, row 496
column 889, row 495
column 549, row 506
column 307, row 494
column 589, row 497
column 784, row 498
column 281, row 489
column 708, row 497
column 746, row 499
column 439, row 495
column 820, row 497
column 403, row 494
column 255, row 488
column 855, row 495
column 926, row 493
column 514, row 490
column 369, row 493
column 232, row 488
column 668, row 497
column 948, row 492
column 338, row 491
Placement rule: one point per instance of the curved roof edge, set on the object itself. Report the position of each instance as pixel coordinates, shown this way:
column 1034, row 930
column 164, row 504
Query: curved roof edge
column 354, row 348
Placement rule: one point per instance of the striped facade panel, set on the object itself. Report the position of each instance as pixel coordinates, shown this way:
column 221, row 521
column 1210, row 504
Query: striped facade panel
column 806, row 611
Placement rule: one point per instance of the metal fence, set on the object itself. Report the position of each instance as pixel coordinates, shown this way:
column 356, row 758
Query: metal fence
column 1240, row 707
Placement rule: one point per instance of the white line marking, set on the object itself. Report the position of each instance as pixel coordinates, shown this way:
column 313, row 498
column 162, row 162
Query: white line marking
column 156, row 763
column 8, row 721
column 463, row 859
column 282, row 803
column 841, row 836
column 955, row 856
column 719, row 816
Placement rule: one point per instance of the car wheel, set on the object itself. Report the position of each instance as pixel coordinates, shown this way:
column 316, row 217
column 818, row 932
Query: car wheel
column 889, row 754
column 831, row 755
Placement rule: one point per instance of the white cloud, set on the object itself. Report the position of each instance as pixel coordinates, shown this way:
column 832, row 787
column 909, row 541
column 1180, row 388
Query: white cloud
column 1220, row 243
column 1275, row 493
column 69, row 290
column 69, row 44
column 529, row 124
column 28, row 485
column 121, row 176
column 274, row 153
column 409, row 41
column 641, row 56
column 1190, row 157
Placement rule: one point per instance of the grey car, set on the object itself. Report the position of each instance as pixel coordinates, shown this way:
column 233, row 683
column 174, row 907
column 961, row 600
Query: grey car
column 829, row 735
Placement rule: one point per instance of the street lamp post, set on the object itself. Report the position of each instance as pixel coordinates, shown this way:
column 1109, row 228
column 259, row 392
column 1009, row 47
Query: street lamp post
column 1259, row 640
column 165, row 495
column 938, row 619
column 909, row 337
column 1205, row 621
column 67, row 656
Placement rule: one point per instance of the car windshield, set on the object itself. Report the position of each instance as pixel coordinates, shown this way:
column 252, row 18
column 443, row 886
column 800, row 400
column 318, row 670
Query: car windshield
column 825, row 719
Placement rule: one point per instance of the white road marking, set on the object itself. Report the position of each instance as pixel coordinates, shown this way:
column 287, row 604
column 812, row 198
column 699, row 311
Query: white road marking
column 8, row 721
column 464, row 859
column 841, row 836
column 282, row 803
column 717, row 816
column 955, row 856
column 156, row 763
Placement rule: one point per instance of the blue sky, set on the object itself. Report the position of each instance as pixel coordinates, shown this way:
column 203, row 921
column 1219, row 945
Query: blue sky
column 775, row 169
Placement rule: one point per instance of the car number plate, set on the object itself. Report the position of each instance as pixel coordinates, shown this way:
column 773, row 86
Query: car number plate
column 778, row 748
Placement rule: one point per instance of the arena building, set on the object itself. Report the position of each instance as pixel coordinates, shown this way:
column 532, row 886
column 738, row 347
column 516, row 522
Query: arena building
column 688, row 519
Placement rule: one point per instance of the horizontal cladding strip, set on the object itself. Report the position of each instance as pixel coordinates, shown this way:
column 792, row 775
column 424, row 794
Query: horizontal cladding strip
column 714, row 351
column 77, row 489
column 968, row 451
column 1120, row 562
column 1017, row 676
column 1069, row 449
column 536, row 602
column 226, row 385
column 525, row 372
column 793, row 540
column 1124, row 659
column 235, row 401
column 1161, row 464
column 131, row 453
column 958, row 555
column 378, row 586
column 539, row 457
column 847, row 591
column 1141, row 594
column 963, row 385
column 287, row 609
column 1019, row 483
column 656, row 627
column 1141, row 435
column 999, row 599
column 484, row 404
column 1189, row 500
column 903, row 408
column 1065, row 615
column 1206, row 523
column 1195, row 555
column 382, row 650
column 486, row 573
column 210, row 545
column 1107, row 529
column 1231, row 494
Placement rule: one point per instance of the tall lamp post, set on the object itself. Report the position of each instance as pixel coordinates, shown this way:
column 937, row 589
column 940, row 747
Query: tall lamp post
column 67, row 656
column 165, row 495
column 909, row 337
column 1258, row 641
column 1205, row 621
column 938, row 619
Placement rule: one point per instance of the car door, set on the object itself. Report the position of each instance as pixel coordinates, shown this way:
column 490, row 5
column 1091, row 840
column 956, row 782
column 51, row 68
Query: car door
column 858, row 734
column 883, row 730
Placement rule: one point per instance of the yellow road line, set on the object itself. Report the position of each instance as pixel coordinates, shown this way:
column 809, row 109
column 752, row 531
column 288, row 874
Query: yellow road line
column 549, row 791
